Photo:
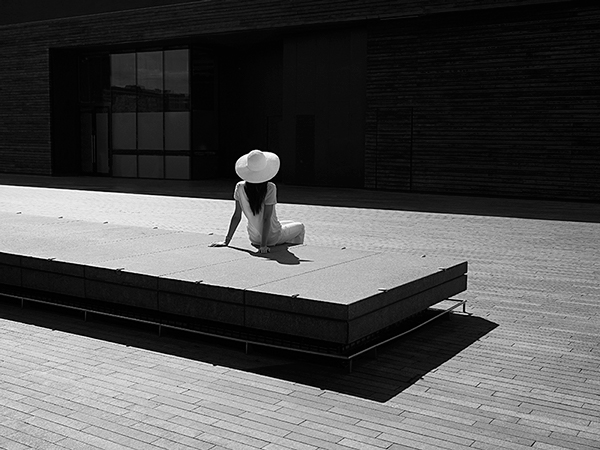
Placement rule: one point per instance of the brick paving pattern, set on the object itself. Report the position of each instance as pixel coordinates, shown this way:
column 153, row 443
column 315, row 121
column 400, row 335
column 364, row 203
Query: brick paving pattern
column 523, row 371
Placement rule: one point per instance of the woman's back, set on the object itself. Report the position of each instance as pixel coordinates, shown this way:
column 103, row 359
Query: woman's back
column 255, row 220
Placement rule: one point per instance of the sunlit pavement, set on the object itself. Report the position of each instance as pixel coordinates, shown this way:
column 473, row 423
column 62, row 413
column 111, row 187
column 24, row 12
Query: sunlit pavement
column 523, row 371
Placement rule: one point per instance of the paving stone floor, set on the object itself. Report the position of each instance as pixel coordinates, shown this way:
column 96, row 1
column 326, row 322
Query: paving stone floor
column 523, row 371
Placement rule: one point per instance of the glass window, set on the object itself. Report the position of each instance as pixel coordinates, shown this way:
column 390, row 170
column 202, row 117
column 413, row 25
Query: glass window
column 177, row 86
column 178, row 167
column 123, row 131
column 122, row 80
column 150, row 131
column 151, row 166
column 150, row 81
column 150, row 113
column 177, row 130
column 125, row 166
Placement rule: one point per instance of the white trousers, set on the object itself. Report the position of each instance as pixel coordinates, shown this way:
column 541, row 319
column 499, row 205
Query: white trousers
column 291, row 233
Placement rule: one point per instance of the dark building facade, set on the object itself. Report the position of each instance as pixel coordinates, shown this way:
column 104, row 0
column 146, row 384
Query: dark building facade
column 490, row 97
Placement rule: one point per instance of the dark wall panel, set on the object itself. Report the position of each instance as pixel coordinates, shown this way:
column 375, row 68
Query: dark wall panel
column 250, row 99
column 324, row 107
column 502, row 104
column 288, row 12
column 66, row 158
column 18, row 11
column 24, row 105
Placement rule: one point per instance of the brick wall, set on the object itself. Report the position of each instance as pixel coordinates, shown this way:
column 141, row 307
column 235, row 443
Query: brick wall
column 24, row 105
column 497, row 104
column 465, row 102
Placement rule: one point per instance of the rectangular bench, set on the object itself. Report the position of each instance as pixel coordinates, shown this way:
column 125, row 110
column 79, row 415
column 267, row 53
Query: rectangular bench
column 337, row 300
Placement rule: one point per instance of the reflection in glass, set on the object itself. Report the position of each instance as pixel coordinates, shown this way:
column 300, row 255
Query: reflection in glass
column 177, row 167
column 123, row 131
column 125, row 166
column 150, row 81
column 122, row 80
column 151, row 113
column 151, row 166
column 150, row 131
column 177, row 130
column 177, row 86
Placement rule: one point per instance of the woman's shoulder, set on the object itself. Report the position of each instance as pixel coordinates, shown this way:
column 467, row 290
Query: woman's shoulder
column 239, row 186
column 271, row 195
column 271, row 188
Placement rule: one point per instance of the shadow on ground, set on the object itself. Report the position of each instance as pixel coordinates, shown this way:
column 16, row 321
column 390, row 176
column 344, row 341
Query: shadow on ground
column 222, row 189
column 383, row 374
column 280, row 254
column 380, row 377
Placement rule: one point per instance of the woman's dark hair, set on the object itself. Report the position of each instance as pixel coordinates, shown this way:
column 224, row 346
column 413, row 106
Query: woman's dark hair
column 256, row 193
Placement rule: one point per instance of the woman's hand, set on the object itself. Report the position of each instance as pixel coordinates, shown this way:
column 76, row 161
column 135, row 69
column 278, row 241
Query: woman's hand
column 233, row 224
column 264, row 249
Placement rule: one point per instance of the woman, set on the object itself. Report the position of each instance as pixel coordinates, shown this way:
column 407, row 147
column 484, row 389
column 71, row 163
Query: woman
column 256, row 197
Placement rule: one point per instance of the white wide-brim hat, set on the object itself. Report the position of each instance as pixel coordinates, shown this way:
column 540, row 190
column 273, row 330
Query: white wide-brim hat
column 257, row 166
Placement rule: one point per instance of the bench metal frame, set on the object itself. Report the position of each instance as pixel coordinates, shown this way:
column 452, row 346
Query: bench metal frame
column 348, row 359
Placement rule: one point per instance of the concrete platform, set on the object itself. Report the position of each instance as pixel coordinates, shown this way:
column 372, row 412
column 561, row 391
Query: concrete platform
column 521, row 372
column 332, row 295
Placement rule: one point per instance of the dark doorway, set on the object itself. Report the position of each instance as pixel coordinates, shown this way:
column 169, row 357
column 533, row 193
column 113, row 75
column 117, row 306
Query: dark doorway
column 250, row 102
column 324, row 107
column 94, row 123
column 64, row 101
column 301, row 95
column 80, row 101
column 94, row 108
column 205, row 137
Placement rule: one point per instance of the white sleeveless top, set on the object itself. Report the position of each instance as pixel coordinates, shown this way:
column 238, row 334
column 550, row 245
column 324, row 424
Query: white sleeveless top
column 255, row 221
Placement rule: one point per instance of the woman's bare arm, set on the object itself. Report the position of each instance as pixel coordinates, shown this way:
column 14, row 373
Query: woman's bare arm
column 233, row 224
